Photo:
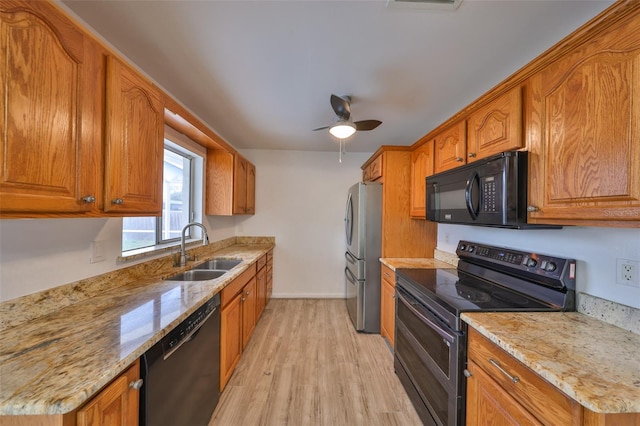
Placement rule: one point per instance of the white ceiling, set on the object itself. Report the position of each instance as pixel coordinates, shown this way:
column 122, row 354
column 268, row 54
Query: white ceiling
column 260, row 72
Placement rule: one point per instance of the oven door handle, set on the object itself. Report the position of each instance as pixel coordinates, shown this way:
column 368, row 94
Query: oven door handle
column 442, row 332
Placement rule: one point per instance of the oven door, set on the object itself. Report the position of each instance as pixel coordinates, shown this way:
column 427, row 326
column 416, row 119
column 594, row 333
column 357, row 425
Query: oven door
column 431, row 356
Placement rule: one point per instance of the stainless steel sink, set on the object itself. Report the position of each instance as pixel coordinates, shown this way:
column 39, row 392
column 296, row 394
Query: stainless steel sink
column 222, row 264
column 197, row 275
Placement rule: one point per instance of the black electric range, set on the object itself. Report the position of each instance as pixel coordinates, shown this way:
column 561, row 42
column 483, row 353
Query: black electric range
column 430, row 337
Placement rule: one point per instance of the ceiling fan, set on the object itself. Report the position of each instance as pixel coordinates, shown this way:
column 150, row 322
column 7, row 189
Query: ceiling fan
column 344, row 127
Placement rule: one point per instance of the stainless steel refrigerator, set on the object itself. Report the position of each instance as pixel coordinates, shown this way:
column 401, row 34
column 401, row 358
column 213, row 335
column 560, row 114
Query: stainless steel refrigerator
column 363, row 231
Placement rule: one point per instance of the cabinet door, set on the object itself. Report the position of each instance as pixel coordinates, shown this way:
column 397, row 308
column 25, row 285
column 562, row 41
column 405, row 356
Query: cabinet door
column 251, row 189
column 134, row 142
column 584, row 132
column 248, row 311
column 387, row 305
column 240, row 185
column 489, row 404
column 230, row 338
column 115, row 405
column 496, row 127
column 50, row 112
column 261, row 289
column 450, row 148
column 421, row 167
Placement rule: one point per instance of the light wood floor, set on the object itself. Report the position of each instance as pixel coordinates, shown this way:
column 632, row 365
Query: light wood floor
column 306, row 365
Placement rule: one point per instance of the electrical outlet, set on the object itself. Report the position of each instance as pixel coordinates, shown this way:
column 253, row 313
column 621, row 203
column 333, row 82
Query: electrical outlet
column 627, row 272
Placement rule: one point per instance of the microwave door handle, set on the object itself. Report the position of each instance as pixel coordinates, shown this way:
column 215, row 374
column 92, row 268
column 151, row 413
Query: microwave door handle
column 468, row 196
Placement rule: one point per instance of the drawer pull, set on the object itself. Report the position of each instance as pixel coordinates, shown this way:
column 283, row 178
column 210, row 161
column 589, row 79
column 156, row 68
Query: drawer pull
column 136, row 384
column 497, row 365
column 467, row 373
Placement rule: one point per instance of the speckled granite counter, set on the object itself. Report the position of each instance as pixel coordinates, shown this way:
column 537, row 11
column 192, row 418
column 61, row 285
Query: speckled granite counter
column 413, row 263
column 53, row 362
column 593, row 362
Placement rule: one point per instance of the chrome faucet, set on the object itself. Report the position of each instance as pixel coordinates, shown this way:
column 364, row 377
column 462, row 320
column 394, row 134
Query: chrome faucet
column 182, row 261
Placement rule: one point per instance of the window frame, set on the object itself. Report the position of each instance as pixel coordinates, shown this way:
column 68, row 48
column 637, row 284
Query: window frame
column 188, row 148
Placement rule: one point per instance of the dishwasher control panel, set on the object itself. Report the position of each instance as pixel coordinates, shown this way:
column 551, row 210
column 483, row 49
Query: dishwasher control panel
column 189, row 326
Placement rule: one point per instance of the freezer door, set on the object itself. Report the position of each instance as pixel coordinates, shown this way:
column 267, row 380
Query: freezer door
column 355, row 265
column 355, row 297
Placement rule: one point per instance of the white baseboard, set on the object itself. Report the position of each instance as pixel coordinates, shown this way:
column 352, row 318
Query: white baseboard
column 308, row 295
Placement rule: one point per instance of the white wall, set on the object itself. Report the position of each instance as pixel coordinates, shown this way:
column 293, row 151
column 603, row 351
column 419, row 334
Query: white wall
column 300, row 199
column 595, row 249
column 37, row 254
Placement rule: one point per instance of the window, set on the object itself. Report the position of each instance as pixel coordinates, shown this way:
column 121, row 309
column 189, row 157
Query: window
column 180, row 191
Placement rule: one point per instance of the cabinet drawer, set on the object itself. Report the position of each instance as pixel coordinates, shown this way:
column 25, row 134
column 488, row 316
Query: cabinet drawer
column 542, row 399
column 262, row 261
column 229, row 292
column 388, row 275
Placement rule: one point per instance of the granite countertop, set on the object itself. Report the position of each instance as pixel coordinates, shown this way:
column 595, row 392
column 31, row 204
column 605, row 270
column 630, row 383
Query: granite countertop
column 53, row 363
column 595, row 363
column 414, row 263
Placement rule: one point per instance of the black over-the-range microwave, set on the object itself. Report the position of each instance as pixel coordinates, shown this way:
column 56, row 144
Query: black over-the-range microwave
column 488, row 192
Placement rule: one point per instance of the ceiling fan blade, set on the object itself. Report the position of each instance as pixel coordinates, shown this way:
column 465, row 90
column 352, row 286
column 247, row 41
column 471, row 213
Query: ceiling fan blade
column 341, row 107
column 367, row 124
column 321, row 128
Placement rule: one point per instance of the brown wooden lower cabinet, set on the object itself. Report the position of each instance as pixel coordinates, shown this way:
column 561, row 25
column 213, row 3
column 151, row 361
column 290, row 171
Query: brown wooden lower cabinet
column 242, row 303
column 387, row 304
column 496, row 397
column 117, row 404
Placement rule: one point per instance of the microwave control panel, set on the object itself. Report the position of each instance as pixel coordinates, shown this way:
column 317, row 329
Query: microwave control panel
column 489, row 194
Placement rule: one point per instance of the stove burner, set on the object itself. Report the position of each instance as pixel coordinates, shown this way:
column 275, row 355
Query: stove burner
column 472, row 294
column 511, row 298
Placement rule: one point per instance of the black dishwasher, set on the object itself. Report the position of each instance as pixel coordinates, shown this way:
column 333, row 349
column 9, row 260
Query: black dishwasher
column 181, row 372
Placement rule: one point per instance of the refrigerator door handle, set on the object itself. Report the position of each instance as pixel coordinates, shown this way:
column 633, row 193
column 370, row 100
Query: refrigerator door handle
column 350, row 276
column 350, row 258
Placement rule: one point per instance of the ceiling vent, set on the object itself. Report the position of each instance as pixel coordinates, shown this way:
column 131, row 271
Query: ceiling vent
column 424, row 4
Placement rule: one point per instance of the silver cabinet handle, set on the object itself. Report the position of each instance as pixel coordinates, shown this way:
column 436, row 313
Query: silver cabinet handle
column 467, row 373
column 497, row 365
column 472, row 155
column 89, row 199
column 136, row 385
column 532, row 209
column 118, row 201
column 459, row 159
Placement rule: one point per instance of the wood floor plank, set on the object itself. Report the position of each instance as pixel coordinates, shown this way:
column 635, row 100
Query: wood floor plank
column 306, row 365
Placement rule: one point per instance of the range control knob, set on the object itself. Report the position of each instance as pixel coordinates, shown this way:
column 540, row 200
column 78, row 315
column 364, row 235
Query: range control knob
column 532, row 262
column 470, row 249
column 463, row 247
column 551, row 267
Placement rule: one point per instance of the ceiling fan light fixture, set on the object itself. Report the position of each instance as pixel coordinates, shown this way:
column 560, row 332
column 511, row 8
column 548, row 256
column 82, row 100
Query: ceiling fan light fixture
column 342, row 129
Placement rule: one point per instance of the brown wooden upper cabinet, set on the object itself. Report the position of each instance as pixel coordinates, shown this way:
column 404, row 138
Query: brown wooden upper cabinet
column 585, row 132
column 56, row 116
column 450, row 147
column 231, row 182
column 50, row 113
column 134, row 145
column 496, row 127
column 421, row 167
